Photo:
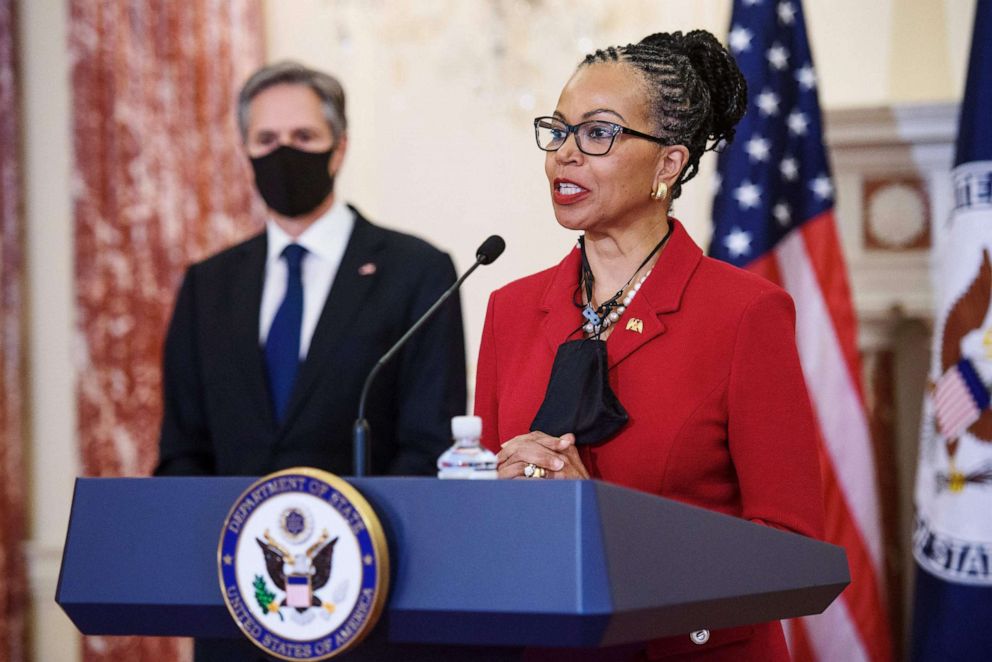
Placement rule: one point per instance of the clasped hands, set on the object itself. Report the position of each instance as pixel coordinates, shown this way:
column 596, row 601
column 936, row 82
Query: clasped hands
column 525, row 455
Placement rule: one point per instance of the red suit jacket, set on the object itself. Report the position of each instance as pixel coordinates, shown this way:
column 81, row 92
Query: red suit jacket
column 719, row 414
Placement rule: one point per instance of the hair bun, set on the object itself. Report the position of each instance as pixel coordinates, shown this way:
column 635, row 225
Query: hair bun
column 720, row 73
column 716, row 69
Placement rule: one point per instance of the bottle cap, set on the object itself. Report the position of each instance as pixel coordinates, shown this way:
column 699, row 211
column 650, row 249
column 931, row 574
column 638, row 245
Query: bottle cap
column 466, row 427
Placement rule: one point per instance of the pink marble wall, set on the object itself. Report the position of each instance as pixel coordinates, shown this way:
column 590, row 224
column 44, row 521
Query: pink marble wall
column 159, row 181
column 13, row 585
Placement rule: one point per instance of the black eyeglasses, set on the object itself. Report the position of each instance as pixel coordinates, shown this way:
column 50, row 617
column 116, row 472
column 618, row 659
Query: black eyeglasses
column 594, row 137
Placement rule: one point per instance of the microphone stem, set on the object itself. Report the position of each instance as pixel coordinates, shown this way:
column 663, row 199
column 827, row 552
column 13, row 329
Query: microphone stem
column 361, row 431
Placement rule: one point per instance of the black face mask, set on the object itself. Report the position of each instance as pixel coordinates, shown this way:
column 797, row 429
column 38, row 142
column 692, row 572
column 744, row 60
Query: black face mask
column 579, row 398
column 293, row 182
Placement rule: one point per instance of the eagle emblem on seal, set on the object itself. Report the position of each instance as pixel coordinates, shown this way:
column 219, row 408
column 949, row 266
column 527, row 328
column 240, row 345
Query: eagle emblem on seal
column 299, row 576
column 961, row 394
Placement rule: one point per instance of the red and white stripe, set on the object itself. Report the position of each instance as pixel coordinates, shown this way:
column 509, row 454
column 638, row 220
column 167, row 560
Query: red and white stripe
column 955, row 407
column 809, row 264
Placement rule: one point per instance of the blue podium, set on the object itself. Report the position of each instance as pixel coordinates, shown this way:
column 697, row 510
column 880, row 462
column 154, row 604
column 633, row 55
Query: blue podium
column 478, row 563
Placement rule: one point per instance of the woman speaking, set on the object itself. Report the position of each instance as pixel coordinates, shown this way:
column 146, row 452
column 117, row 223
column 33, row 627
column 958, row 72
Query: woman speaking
column 636, row 359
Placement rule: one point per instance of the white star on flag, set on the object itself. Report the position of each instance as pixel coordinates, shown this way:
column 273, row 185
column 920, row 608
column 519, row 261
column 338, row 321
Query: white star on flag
column 757, row 149
column 822, row 187
column 806, row 77
column 786, row 13
column 747, row 195
column 751, row 3
column 778, row 56
column 789, row 168
column 767, row 103
column 740, row 39
column 797, row 123
column 782, row 213
column 738, row 242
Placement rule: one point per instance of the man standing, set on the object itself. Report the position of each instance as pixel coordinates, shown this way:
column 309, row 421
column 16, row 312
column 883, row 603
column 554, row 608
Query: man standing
column 271, row 340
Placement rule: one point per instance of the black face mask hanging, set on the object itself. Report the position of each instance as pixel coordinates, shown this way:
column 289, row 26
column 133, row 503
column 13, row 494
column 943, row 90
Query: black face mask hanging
column 293, row 182
column 579, row 398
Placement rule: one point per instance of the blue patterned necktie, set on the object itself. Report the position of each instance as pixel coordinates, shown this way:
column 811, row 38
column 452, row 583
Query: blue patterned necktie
column 282, row 346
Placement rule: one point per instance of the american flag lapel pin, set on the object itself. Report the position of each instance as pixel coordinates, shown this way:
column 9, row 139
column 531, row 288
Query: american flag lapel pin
column 367, row 269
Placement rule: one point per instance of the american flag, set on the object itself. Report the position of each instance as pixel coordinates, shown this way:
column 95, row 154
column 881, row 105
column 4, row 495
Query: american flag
column 959, row 398
column 774, row 214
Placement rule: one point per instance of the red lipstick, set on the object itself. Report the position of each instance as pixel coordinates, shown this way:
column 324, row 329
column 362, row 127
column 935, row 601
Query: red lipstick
column 567, row 192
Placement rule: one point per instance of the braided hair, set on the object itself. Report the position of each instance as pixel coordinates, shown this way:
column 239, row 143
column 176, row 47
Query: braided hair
column 697, row 94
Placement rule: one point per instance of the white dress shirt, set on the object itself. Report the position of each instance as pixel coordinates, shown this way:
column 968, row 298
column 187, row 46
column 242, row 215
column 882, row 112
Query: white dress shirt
column 325, row 242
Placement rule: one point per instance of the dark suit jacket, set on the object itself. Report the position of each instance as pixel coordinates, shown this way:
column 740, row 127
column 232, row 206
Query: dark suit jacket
column 218, row 416
column 719, row 415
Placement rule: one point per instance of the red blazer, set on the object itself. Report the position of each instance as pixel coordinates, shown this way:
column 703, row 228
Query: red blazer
column 719, row 414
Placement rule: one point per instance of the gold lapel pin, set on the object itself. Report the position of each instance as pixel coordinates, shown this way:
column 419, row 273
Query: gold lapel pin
column 636, row 325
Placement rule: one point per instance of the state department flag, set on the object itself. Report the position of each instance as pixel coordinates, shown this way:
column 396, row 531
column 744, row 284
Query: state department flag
column 774, row 214
column 952, row 539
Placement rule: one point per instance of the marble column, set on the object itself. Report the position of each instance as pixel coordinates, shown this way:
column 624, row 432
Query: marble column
column 159, row 181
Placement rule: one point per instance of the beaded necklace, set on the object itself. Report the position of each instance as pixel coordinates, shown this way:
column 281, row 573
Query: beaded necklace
column 610, row 311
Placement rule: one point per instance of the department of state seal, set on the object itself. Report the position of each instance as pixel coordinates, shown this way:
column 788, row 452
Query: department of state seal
column 952, row 538
column 303, row 565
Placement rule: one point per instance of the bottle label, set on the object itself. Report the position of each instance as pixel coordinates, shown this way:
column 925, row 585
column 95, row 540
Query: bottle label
column 467, row 473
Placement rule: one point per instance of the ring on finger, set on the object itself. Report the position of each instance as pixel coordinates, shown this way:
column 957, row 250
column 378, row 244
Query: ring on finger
column 531, row 470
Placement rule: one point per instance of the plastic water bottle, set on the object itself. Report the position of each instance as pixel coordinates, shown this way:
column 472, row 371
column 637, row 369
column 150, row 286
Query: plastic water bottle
column 466, row 458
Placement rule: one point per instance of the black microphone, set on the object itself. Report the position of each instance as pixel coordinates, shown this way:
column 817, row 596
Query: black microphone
column 487, row 253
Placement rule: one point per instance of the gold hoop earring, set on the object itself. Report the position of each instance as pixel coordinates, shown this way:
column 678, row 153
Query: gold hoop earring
column 659, row 192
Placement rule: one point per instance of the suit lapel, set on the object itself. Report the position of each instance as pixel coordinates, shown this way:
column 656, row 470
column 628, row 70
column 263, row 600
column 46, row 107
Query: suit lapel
column 661, row 293
column 246, row 302
column 561, row 315
column 349, row 290
column 638, row 325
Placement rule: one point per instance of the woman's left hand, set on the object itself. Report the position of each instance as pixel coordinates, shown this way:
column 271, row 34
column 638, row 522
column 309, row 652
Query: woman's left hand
column 558, row 456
